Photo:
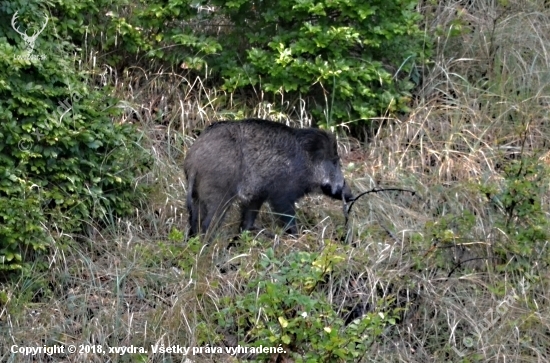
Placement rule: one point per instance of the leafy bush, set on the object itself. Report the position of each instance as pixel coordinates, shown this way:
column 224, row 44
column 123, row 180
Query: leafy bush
column 63, row 162
column 351, row 59
column 284, row 307
column 521, row 216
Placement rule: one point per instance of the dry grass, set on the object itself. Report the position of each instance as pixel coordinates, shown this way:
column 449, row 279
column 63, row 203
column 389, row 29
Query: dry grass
column 482, row 104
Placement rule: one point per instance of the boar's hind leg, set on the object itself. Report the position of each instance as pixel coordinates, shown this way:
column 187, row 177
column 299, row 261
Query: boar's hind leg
column 214, row 214
column 196, row 215
column 191, row 204
column 249, row 212
column 194, row 211
column 193, row 220
column 285, row 212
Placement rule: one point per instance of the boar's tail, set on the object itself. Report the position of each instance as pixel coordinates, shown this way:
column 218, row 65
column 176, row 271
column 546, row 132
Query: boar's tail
column 190, row 189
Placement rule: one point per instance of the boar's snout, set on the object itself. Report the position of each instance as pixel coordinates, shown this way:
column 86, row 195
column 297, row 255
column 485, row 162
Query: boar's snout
column 337, row 191
column 348, row 196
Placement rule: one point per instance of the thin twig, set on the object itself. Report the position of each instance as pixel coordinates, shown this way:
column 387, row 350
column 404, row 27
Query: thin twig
column 349, row 205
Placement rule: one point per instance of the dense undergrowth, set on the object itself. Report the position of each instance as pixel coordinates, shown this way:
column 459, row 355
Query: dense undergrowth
column 458, row 272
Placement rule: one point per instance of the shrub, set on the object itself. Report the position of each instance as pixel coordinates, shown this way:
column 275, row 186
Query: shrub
column 63, row 162
column 352, row 60
column 285, row 307
column 519, row 201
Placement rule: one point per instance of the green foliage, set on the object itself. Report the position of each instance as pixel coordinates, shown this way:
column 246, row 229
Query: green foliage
column 521, row 216
column 450, row 227
column 351, row 59
column 163, row 30
column 285, row 307
column 63, row 162
column 447, row 231
column 172, row 253
column 515, row 209
column 354, row 58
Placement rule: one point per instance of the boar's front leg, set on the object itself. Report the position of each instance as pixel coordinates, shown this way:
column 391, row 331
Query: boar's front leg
column 249, row 212
column 286, row 213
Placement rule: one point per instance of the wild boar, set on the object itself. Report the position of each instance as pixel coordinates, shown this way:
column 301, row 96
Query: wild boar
column 253, row 161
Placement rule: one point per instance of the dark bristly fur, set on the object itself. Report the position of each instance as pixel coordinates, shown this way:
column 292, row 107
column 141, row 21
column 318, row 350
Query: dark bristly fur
column 254, row 161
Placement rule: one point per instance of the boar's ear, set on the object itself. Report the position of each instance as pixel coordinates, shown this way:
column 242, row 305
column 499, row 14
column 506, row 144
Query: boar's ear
column 317, row 143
